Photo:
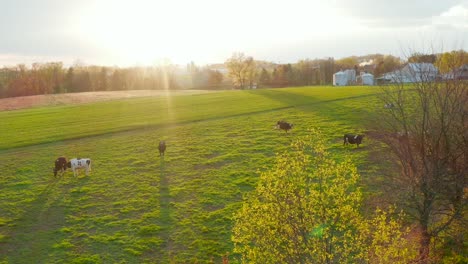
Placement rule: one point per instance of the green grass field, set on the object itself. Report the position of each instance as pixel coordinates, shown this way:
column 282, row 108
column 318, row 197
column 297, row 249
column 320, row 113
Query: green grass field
column 136, row 207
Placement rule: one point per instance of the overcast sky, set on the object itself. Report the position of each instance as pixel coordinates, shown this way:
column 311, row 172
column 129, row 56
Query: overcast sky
column 145, row 32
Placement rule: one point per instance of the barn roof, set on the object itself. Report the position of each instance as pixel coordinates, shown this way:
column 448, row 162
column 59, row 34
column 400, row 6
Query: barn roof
column 422, row 67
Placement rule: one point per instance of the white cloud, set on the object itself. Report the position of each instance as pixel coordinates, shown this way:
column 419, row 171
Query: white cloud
column 456, row 16
column 395, row 13
column 125, row 32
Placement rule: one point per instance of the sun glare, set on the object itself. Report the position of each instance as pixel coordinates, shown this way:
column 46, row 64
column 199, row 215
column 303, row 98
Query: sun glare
column 144, row 32
column 138, row 33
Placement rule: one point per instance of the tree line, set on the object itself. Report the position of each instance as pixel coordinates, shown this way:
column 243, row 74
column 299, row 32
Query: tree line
column 239, row 71
column 53, row 78
column 247, row 73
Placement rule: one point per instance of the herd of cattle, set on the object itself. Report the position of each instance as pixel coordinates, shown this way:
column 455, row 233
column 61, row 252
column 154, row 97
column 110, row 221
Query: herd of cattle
column 61, row 163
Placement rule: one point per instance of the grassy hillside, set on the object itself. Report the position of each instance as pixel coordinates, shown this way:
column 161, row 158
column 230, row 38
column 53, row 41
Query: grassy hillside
column 42, row 125
column 136, row 207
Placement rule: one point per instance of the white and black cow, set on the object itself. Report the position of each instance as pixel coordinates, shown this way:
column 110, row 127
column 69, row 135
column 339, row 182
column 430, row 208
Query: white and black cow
column 60, row 166
column 352, row 139
column 389, row 105
column 78, row 163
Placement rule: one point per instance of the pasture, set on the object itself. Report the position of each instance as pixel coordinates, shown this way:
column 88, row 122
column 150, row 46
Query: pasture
column 136, row 207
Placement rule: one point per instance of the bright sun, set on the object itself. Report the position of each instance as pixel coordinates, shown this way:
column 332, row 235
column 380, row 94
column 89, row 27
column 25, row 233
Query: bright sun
column 146, row 32
column 141, row 32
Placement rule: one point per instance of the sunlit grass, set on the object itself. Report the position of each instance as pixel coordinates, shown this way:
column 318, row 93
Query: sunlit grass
column 136, row 207
column 51, row 124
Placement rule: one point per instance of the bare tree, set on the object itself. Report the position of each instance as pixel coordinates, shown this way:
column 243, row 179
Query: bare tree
column 425, row 125
column 242, row 70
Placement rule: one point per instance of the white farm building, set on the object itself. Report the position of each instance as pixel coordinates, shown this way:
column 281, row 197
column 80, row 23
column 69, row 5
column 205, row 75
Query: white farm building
column 343, row 78
column 412, row 72
column 340, row 79
column 367, row 79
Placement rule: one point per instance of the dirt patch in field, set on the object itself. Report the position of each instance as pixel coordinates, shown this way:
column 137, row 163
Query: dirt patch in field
column 81, row 98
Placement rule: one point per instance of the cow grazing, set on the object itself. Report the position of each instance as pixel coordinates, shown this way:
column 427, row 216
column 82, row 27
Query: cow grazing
column 283, row 125
column 76, row 164
column 60, row 166
column 389, row 105
column 162, row 147
column 352, row 139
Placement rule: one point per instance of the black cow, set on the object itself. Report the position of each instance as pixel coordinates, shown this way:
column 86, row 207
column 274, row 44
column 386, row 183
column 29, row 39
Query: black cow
column 162, row 147
column 352, row 139
column 60, row 165
column 283, row 125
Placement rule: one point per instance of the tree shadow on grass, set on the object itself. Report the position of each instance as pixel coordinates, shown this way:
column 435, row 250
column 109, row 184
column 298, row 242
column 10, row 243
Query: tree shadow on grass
column 354, row 114
column 293, row 99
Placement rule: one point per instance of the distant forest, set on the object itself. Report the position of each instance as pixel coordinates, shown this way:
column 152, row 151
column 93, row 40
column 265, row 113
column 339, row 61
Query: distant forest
column 239, row 72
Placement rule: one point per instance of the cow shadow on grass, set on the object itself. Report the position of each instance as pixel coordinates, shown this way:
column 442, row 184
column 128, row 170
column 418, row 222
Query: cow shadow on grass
column 35, row 231
column 165, row 218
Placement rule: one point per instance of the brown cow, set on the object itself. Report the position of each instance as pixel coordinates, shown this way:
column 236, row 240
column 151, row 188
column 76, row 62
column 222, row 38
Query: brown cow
column 60, row 165
column 283, row 125
column 162, row 147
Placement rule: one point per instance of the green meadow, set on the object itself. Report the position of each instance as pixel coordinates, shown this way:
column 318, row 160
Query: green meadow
column 137, row 207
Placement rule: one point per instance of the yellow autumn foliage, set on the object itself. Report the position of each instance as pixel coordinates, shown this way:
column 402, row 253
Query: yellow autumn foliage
column 306, row 210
